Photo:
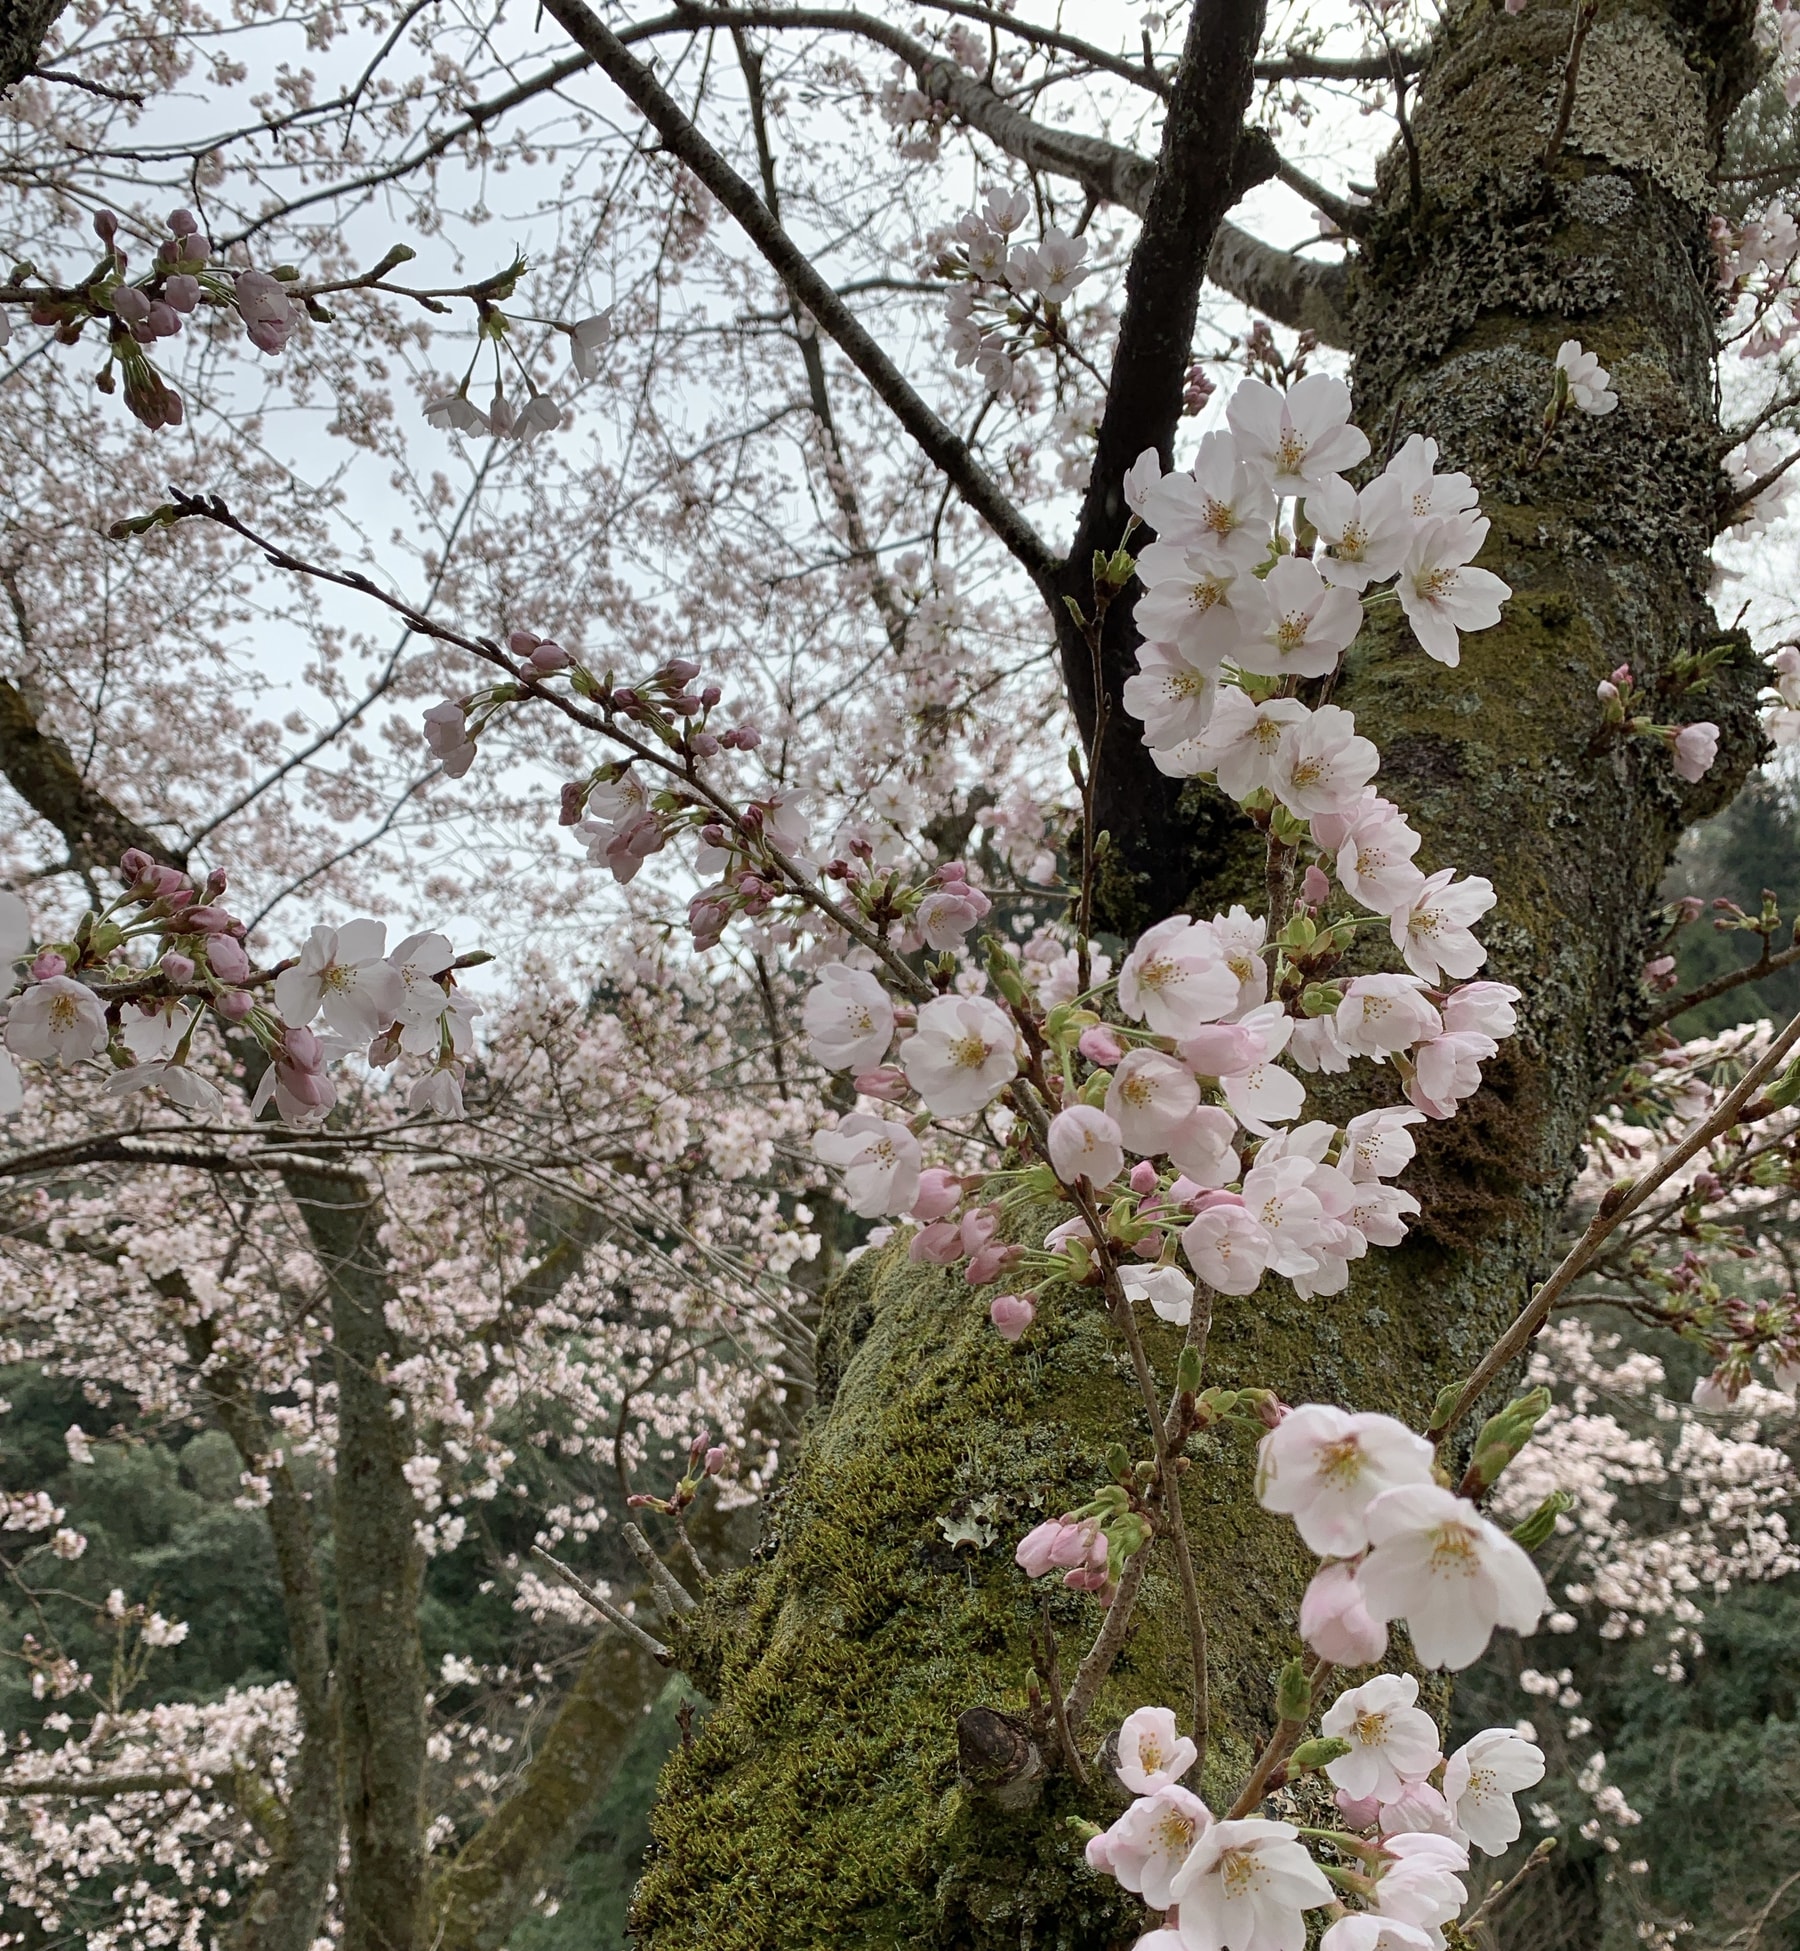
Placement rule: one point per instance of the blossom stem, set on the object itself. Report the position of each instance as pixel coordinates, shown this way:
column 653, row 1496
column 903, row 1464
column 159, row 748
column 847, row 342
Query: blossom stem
column 1280, row 1746
column 1612, row 1214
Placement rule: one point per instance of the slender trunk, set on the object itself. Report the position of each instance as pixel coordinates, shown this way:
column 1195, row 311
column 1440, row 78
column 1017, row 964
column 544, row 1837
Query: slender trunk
column 822, row 1801
column 380, row 1670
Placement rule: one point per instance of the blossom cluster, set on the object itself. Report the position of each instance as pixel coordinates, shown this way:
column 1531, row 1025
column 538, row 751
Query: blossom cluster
column 1007, row 292
column 1409, row 1819
column 94, row 1000
column 182, row 277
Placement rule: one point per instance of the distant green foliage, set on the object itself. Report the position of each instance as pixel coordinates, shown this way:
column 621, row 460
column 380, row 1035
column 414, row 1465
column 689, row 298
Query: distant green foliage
column 1754, row 844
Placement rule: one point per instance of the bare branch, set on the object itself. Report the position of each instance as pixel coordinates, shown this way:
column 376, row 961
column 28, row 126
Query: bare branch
column 944, row 448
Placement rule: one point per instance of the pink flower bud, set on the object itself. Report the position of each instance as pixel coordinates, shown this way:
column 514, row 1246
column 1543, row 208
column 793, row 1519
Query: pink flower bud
column 991, row 1262
column 178, row 967
column 979, row 1227
column 48, row 966
column 226, row 958
column 1335, row 1621
column 210, row 921
column 678, row 671
column 548, row 657
column 888, row 1082
column 940, row 1192
column 939, row 1245
column 1011, row 1315
column 1033, row 1553
column 1099, row 1046
column 522, row 642
column 304, row 1050
column 1143, row 1177
column 181, row 222
column 748, row 738
column 1622, row 675
column 703, row 745
column 130, row 305
column 235, row 1005
column 715, row 1459
column 625, row 699
column 1364, row 1811
column 1607, row 691
column 711, row 696
column 1315, row 889
column 952, row 870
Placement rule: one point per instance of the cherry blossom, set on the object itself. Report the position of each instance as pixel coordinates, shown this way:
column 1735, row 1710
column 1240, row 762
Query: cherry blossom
column 1422, row 1883
column 1588, row 382
column 1334, row 1621
column 57, row 1021
column 1248, row 1885
column 1441, row 592
column 1392, row 1741
column 1222, row 506
column 1325, row 1468
column 848, row 1019
column 1366, row 1930
column 1294, row 623
column 879, row 1158
column 1364, row 536
column 1433, row 932
column 1426, row 493
column 1480, row 1780
column 1379, row 1014
column 1321, row 763
column 342, row 971
column 960, row 1057
column 1375, row 856
column 1228, row 1248
column 1451, row 1575
column 1150, row 1842
column 1152, row 1751
column 1167, row 1289
column 1302, row 439
column 1085, row 1144
column 1695, row 748
column 1173, row 694
column 1177, row 978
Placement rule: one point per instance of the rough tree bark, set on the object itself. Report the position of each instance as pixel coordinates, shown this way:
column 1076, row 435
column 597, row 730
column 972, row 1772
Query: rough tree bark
column 821, row 1803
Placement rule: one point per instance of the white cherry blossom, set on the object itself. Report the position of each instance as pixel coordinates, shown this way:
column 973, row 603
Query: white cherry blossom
column 57, row 1021
column 1487, row 1008
column 1392, row 1739
column 1335, row 1622
column 1150, row 1098
column 1365, row 1930
column 1278, row 1195
column 1375, row 856
column 1202, row 1147
column 1150, row 1842
column 1240, row 743
column 1322, row 764
column 1480, row 1781
column 1187, row 601
column 1447, row 1069
column 1325, row 1467
column 344, row 973
column 1441, row 592
column 1364, row 536
column 1422, row 1883
column 1085, row 1144
column 1590, row 390
column 1434, row 931
column 1247, row 1886
column 1172, row 694
column 1300, row 440
column 880, row 1160
column 848, row 1019
column 1227, row 1248
column 1425, row 493
column 1448, row 1572
column 1152, row 1751
column 961, row 1056
column 1378, row 1144
column 1380, row 1014
column 1168, row 1290
column 1242, row 935
column 1294, row 623
column 1177, row 978
column 1220, row 506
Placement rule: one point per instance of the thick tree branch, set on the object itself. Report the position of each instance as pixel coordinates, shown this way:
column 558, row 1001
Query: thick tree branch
column 945, row 449
column 1290, row 289
column 1208, row 160
column 40, row 770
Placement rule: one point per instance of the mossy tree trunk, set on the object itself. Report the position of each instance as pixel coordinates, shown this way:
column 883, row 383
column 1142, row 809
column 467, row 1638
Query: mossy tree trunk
column 821, row 1802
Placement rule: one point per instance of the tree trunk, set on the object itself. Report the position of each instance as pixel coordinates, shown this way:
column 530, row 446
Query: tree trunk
column 821, row 1802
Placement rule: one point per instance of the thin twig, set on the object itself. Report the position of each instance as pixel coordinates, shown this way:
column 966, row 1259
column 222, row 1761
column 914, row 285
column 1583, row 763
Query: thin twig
column 1058, row 1707
column 1280, row 1746
column 1721, row 985
column 669, row 1588
column 1613, row 1214
column 1565, row 103
column 605, row 1607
